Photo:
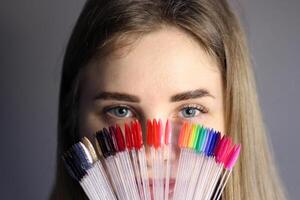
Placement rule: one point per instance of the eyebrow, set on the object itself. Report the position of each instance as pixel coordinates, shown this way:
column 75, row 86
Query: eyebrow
column 135, row 99
column 191, row 95
column 117, row 96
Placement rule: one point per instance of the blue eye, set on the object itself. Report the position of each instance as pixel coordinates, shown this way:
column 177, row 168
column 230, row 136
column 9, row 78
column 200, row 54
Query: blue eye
column 190, row 112
column 120, row 112
column 193, row 110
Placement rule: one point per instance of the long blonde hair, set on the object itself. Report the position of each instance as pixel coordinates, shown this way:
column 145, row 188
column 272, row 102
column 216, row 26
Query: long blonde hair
column 105, row 25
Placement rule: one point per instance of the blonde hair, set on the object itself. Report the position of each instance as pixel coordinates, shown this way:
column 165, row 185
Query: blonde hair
column 105, row 25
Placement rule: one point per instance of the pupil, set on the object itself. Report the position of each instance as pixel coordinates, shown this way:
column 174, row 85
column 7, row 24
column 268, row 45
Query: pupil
column 190, row 111
column 122, row 111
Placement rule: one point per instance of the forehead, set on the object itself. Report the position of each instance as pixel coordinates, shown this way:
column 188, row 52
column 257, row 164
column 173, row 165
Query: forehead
column 168, row 60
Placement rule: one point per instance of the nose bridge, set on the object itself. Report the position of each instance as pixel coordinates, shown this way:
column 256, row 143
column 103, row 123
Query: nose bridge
column 156, row 110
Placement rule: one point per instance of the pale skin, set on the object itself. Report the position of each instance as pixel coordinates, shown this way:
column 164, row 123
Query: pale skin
column 161, row 65
column 166, row 75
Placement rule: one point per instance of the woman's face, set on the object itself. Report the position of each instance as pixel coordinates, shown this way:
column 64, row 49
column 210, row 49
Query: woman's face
column 165, row 74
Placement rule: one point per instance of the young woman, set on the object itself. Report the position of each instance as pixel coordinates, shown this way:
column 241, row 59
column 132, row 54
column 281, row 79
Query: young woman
column 176, row 59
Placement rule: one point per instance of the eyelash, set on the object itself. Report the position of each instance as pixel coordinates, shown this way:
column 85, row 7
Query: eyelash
column 201, row 108
column 106, row 110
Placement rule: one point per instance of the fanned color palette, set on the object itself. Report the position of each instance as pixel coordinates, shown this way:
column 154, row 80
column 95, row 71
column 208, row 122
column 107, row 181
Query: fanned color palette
column 196, row 166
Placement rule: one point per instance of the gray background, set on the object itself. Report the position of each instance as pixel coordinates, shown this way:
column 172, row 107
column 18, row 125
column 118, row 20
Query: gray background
column 33, row 36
